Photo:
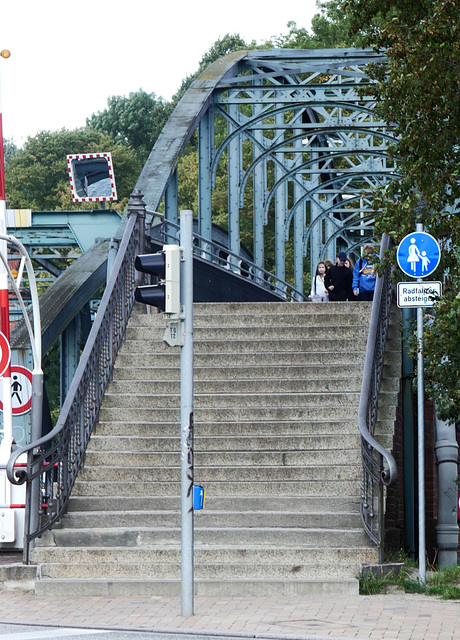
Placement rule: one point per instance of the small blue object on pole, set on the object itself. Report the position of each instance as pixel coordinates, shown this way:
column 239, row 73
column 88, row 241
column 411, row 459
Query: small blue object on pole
column 418, row 254
column 199, row 494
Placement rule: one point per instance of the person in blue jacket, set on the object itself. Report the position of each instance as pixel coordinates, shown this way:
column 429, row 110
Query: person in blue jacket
column 364, row 275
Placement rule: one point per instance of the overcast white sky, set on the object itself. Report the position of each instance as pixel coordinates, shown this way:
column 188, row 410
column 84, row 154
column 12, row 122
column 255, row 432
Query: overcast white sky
column 67, row 58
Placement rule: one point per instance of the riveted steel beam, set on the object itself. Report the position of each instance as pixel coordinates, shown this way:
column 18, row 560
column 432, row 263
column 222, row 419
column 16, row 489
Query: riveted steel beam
column 299, row 147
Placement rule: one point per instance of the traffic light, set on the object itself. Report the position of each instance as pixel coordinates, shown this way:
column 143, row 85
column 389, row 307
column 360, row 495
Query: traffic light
column 165, row 265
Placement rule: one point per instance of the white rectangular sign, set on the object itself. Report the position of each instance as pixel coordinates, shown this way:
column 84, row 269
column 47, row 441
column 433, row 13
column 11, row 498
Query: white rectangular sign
column 418, row 294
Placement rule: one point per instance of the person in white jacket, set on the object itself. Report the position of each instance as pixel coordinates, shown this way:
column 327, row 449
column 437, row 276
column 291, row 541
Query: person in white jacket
column 319, row 292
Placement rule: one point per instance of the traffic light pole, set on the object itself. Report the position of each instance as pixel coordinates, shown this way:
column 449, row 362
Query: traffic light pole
column 186, row 415
column 173, row 294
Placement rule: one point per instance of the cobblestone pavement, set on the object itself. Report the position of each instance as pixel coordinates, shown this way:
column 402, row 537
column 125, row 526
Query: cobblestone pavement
column 383, row 617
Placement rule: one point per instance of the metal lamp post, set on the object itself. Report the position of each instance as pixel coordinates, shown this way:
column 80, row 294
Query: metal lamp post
column 6, row 444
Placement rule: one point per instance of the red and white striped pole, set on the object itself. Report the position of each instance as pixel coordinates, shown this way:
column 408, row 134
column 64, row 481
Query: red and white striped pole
column 5, row 446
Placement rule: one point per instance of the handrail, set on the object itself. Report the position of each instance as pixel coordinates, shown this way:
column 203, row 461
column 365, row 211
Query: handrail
column 378, row 465
column 54, row 460
column 223, row 257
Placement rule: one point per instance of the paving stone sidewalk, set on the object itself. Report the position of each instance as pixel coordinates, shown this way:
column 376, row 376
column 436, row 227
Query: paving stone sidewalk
column 386, row 617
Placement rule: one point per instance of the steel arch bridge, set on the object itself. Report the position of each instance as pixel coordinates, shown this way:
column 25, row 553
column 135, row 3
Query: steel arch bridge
column 299, row 148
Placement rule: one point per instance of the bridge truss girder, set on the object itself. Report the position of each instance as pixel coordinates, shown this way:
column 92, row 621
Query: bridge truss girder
column 300, row 149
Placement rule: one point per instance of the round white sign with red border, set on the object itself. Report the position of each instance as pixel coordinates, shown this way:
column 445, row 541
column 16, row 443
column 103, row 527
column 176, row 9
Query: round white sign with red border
column 5, row 353
column 21, row 390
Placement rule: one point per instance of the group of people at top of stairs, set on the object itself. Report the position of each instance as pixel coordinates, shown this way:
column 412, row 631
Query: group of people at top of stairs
column 344, row 281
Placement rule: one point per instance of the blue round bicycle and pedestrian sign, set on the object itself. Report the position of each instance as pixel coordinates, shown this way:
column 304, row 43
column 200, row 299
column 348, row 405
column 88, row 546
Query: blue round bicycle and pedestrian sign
column 418, row 254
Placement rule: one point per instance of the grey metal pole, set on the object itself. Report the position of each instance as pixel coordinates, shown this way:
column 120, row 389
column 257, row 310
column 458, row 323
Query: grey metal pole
column 186, row 411
column 421, row 449
column 447, row 527
column 421, row 440
column 136, row 207
column 35, row 434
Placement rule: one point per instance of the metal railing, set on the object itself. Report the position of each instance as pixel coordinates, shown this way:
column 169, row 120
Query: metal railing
column 221, row 256
column 378, row 465
column 54, row 460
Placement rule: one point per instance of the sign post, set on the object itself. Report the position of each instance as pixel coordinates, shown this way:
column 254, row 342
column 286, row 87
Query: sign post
column 35, row 336
column 418, row 256
column 187, row 419
column 7, row 442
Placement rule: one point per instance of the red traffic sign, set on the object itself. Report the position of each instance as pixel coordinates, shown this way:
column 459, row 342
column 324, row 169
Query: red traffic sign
column 21, row 390
column 5, row 354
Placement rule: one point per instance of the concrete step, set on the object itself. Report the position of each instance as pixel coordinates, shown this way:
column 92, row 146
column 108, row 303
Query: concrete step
column 220, row 458
column 276, row 446
column 239, row 399
column 242, row 333
column 15, row 576
column 242, row 588
column 232, row 503
column 244, row 318
column 212, row 571
column 240, row 414
column 244, row 449
column 266, row 308
column 253, row 346
column 218, row 473
column 229, row 400
column 238, row 385
column 291, row 428
column 240, row 372
column 353, row 357
column 213, row 519
column 261, row 487
column 274, row 537
column 153, row 557
column 131, row 444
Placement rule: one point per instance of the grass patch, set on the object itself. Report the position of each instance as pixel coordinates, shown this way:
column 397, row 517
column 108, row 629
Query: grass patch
column 373, row 584
column 444, row 584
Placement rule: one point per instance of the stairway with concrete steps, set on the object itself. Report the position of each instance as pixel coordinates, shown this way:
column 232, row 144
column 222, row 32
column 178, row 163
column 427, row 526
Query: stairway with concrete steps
column 276, row 445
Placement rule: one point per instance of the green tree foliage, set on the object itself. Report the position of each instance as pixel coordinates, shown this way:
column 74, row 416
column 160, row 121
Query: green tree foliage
column 37, row 176
column 418, row 92
column 10, row 149
column 442, row 340
column 330, row 28
column 136, row 120
column 221, row 47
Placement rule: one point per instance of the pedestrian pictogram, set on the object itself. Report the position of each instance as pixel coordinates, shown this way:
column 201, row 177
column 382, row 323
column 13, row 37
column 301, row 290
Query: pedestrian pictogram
column 418, row 254
column 5, row 354
column 21, row 390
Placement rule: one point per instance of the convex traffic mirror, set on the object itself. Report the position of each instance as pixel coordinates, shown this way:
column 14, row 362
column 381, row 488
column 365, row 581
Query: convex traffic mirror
column 91, row 177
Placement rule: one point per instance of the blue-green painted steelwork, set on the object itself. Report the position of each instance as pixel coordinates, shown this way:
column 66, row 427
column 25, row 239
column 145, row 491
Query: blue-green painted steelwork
column 299, row 149
column 74, row 229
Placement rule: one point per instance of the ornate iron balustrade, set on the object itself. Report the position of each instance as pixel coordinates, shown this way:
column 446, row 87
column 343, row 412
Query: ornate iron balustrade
column 378, row 465
column 53, row 461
